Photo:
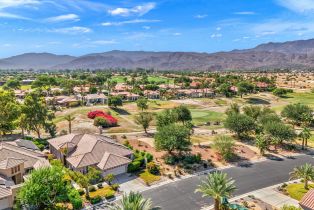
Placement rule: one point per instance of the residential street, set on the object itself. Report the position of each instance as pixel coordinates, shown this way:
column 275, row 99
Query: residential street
column 180, row 195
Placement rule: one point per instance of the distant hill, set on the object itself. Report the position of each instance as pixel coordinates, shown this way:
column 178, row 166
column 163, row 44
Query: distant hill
column 34, row 61
column 294, row 54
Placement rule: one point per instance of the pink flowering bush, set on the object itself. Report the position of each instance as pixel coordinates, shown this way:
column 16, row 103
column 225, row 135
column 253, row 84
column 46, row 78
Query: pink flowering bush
column 110, row 121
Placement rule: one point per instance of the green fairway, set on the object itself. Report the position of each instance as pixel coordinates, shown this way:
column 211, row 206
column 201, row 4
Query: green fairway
column 160, row 79
column 202, row 116
column 303, row 98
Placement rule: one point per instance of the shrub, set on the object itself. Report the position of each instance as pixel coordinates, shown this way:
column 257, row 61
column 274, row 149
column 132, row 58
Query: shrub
column 153, row 168
column 75, row 199
column 92, row 188
column 149, row 157
column 109, row 119
column 81, row 191
column 170, row 160
column 115, row 187
column 224, row 145
column 191, row 159
column 127, row 144
column 134, row 166
column 95, row 200
column 99, row 121
column 109, row 195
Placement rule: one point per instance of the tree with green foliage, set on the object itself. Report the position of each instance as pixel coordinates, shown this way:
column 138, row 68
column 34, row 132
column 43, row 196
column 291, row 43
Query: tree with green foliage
column 37, row 114
column 244, row 87
column 144, row 119
column 253, row 111
column 305, row 135
column 9, row 112
column 85, row 180
column 115, row 101
column 225, row 89
column 109, row 178
column 164, row 118
column 305, row 172
column 173, row 138
column 69, row 118
column 182, row 114
column 279, row 132
column 224, row 145
column 262, row 142
column 297, row 114
column 234, row 108
column 281, row 92
column 44, row 188
column 218, row 186
column 142, row 103
column 241, row 124
column 134, row 201
column 12, row 84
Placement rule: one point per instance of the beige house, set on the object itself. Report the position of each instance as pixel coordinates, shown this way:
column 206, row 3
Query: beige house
column 17, row 159
column 79, row 151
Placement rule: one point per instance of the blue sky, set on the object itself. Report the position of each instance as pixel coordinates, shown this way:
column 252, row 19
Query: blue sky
column 78, row 27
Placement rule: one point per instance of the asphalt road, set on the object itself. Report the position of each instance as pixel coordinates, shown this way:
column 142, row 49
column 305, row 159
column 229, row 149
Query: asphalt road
column 180, row 195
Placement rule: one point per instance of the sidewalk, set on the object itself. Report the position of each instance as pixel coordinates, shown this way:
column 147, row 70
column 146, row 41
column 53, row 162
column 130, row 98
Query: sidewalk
column 268, row 195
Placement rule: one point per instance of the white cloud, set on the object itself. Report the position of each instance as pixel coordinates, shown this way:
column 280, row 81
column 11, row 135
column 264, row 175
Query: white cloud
column 177, row 34
column 12, row 16
column 216, row 35
column 244, row 13
column 137, row 10
column 72, row 30
column 5, row 4
column 129, row 22
column 61, row 18
column 218, row 28
column 104, row 42
column 17, row 3
column 146, row 27
column 199, row 16
column 298, row 5
column 278, row 26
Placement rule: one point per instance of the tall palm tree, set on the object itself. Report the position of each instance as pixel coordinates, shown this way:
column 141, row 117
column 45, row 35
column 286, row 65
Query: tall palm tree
column 69, row 118
column 305, row 172
column 134, row 201
column 305, row 135
column 217, row 185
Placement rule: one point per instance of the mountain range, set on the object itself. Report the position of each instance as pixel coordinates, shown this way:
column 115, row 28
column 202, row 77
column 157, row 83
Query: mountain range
column 292, row 55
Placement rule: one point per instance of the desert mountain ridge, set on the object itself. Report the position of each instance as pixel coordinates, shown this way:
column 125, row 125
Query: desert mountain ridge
column 296, row 55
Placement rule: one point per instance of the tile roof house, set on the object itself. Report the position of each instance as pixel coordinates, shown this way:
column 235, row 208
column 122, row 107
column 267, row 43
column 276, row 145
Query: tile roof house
column 17, row 158
column 307, row 202
column 80, row 151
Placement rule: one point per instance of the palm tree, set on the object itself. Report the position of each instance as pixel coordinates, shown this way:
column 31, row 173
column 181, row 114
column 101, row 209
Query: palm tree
column 69, row 118
column 134, row 201
column 305, row 172
column 305, row 135
column 217, row 185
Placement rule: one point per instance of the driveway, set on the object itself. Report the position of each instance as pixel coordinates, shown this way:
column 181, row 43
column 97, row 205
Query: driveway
column 180, row 195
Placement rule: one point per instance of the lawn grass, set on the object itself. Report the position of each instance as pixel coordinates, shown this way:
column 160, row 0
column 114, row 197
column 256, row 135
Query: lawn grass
column 149, row 178
column 200, row 116
column 220, row 102
column 303, row 98
column 160, row 79
column 103, row 192
column 297, row 191
column 197, row 139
